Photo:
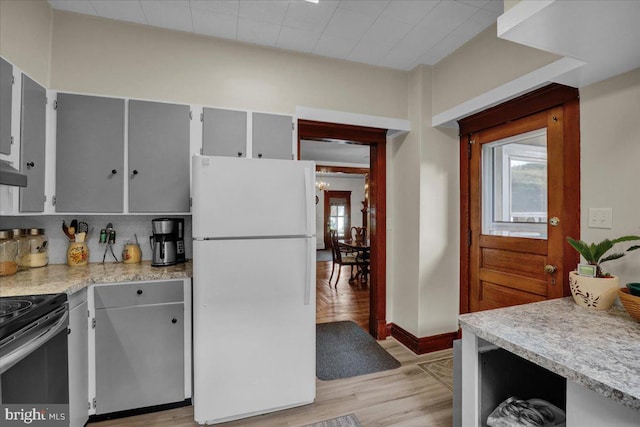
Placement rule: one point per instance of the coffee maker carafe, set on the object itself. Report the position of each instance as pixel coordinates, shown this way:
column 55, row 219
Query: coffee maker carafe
column 167, row 242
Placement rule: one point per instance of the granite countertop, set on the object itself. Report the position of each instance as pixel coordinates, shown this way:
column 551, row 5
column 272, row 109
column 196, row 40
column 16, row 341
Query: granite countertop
column 59, row 278
column 599, row 350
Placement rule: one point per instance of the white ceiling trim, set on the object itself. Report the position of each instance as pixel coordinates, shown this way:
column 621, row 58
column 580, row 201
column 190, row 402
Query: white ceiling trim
column 394, row 126
column 507, row 91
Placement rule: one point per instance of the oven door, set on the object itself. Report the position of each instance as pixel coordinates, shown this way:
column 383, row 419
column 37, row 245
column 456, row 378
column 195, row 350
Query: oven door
column 33, row 362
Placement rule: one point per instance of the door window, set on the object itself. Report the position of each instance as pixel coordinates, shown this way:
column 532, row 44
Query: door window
column 514, row 186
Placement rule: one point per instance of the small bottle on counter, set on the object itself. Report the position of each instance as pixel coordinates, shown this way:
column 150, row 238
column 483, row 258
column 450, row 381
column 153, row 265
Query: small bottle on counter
column 24, row 248
column 39, row 252
column 8, row 253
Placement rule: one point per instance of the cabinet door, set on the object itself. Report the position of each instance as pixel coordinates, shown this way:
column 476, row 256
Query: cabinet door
column 32, row 144
column 78, row 366
column 158, row 157
column 224, row 133
column 6, row 83
column 89, row 154
column 272, row 136
column 139, row 356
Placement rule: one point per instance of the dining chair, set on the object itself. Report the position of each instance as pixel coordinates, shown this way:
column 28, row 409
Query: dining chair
column 341, row 258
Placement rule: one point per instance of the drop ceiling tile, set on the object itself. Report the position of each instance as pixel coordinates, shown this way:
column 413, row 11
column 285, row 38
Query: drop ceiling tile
column 298, row 40
column 74, row 6
column 175, row 14
column 262, row 33
column 130, row 11
column 309, row 16
column 369, row 52
column 220, row 7
column 476, row 3
column 348, row 24
column 334, row 47
column 495, row 6
column 400, row 57
column 366, row 7
column 214, row 24
column 272, row 11
column 409, row 11
column 387, row 30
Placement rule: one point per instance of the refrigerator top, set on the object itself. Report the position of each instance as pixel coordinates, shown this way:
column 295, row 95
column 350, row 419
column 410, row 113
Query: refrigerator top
column 236, row 198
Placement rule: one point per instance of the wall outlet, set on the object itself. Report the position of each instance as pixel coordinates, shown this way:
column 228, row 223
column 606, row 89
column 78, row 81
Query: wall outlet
column 600, row 218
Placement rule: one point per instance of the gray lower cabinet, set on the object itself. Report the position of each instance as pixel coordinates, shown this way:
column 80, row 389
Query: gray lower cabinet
column 272, row 136
column 139, row 345
column 89, row 154
column 6, row 93
column 32, row 144
column 78, row 359
column 224, row 132
column 158, row 157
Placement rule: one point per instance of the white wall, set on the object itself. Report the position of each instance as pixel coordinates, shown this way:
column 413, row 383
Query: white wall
column 610, row 159
column 353, row 184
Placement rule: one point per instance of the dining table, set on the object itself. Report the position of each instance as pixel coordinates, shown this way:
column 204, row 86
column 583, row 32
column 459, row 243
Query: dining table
column 362, row 248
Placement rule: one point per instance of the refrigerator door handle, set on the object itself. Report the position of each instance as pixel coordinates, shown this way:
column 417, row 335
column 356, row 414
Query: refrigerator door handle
column 311, row 251
column 309, row 185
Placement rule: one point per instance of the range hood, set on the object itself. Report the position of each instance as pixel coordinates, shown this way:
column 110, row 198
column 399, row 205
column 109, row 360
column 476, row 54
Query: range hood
column 11, row 176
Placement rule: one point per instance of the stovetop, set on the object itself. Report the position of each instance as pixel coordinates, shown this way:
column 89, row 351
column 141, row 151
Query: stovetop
column 18, row 312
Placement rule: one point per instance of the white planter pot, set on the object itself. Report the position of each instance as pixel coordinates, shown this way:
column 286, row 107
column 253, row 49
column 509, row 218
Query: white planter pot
column 594, row 292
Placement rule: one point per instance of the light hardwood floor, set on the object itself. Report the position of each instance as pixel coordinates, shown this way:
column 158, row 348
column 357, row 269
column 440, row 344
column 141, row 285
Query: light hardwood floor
column 406, row 396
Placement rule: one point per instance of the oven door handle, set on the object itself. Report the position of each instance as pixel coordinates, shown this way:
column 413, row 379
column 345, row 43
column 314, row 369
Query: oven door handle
column 8, row 361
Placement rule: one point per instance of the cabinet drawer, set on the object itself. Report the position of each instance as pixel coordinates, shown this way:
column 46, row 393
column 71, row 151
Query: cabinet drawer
column 142, row 293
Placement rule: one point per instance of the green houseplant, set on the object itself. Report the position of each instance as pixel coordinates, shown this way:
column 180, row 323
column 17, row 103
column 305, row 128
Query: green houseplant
column 597, row 292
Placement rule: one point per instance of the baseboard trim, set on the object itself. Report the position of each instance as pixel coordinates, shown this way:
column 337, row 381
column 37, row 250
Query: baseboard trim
column 425, row 344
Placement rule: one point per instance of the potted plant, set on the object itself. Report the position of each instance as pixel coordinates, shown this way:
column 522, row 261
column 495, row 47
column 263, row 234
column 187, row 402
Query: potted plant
column 598, row 289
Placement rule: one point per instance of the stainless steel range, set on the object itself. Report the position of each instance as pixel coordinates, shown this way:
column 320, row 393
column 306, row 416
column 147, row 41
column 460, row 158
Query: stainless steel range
column 33, row 349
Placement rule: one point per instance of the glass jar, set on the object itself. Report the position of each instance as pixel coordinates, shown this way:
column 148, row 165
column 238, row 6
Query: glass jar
column 8, row 253
column 39, row 251
column 131, row 253
column 24, row 248
column 77, row 254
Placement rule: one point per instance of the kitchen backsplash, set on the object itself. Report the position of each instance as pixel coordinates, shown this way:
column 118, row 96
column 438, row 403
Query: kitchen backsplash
column 125, row 225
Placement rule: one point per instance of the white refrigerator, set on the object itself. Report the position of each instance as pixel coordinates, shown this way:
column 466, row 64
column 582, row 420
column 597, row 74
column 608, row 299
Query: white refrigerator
column 254, row 277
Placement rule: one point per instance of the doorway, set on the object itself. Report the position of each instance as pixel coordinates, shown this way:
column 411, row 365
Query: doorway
column 520, row 199
column 337, row 214
column 376, row 209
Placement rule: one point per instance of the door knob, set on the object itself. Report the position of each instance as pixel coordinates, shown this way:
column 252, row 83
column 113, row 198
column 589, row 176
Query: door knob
column 30, row 164
column 550, row 269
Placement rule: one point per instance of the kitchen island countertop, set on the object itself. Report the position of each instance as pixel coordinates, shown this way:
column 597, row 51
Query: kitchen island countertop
column 599, row 350
column 59, row 278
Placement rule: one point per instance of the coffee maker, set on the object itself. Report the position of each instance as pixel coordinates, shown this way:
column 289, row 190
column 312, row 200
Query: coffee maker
column 167, row 242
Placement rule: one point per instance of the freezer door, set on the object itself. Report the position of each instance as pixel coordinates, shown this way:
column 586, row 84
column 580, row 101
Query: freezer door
column 238, row 197
column 253, row 326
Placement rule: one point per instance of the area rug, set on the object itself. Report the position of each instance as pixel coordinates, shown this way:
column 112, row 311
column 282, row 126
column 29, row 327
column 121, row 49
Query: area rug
column 441, row 370
column 345, row 421
column 344, row 349
column 323, row 255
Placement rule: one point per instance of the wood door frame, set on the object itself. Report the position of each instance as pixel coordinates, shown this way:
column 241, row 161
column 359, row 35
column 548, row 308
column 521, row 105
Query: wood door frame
column 327, row 212
column 376, row 139
column 553, row 95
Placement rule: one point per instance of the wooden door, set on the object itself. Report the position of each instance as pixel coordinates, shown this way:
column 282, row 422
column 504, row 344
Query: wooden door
column 523, row 201
column 337, row 214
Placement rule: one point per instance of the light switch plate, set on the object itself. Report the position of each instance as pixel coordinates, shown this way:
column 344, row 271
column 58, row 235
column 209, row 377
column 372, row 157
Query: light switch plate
column 600, row 218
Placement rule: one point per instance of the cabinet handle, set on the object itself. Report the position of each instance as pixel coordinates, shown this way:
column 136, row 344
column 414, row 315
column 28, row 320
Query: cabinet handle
column 30, row 164
column 113, row 171
column 135, row 171
column 259, row 155
column 174, row 320
column 239, row 153
column 139, row 292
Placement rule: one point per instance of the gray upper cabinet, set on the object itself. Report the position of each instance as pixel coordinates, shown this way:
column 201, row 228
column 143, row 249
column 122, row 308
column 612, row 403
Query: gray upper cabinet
column 224, row 132
column 89, row 154
column 6, row 82
column 32, row 144
column 272, row 136
column 158, row 157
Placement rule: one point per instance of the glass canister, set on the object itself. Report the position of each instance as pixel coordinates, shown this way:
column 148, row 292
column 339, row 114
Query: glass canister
column 8, row 253
column 77, row 254
column 131, row 253
column 24, row 248
column 39, row 252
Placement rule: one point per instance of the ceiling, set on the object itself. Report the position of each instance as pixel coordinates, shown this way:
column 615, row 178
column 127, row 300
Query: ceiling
column 398, row 34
